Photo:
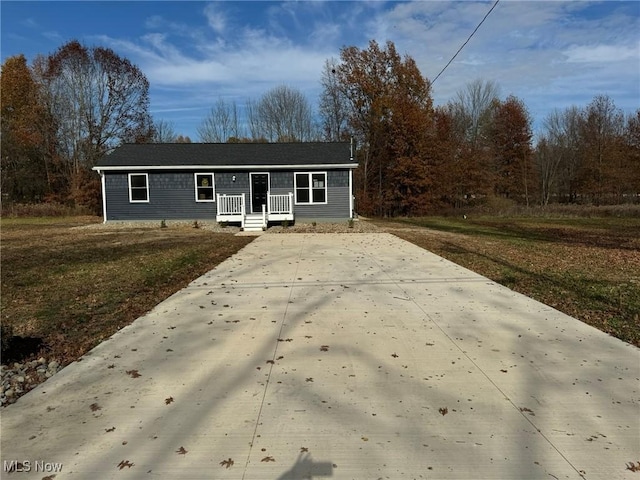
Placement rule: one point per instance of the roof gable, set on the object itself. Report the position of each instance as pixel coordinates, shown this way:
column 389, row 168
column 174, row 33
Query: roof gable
column 228, row 155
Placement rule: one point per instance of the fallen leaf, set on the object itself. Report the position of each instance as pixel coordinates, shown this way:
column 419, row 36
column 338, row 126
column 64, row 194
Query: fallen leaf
column 310, row 379
column 125, row 463
column 271, row 362
column 528, row 410
column 365, row 439
column 268, row 459
column 109, row 429
column 181, row 451
column 303, row 449
column 503, row 371
column 634, row 467
column 280, row 357
column 226, row 463
column 443, row 411
column 167, row 401
column 133, row 373
column 394, row 355
column 95, row 407
column 112, row 366
column 49, row 477
column 324, row 348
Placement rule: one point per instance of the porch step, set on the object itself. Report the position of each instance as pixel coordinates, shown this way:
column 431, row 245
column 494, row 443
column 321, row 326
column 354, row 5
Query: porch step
column 253, row 223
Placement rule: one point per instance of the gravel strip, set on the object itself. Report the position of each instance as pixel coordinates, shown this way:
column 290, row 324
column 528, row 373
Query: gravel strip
column 356, row 226
column 18, row 378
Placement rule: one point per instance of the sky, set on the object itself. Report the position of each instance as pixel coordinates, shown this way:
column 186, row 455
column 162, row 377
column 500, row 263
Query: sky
column 551, row 55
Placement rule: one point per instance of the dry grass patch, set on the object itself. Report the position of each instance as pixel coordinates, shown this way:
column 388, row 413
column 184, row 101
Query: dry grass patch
column 74, row 287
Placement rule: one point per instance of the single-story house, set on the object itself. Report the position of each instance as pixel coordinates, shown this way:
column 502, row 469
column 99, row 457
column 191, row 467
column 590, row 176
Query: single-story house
column 248, row 183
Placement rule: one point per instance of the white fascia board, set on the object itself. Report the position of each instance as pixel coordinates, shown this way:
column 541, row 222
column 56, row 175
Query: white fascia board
column 227, row 167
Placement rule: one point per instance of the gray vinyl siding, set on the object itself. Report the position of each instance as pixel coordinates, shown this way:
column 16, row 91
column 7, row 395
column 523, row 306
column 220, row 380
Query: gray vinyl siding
column 172, row 195
column 337, row 206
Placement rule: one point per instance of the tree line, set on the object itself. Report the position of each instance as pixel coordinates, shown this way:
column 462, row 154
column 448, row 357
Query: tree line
column 64, row 111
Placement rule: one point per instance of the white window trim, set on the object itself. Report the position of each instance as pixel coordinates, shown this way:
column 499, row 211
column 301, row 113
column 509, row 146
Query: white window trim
column 213, row 186
column 310, row 175
column 146, row 179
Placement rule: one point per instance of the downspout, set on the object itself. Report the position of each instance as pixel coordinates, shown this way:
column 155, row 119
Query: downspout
column 351, row 182
column 350, row 193
column 104, row 197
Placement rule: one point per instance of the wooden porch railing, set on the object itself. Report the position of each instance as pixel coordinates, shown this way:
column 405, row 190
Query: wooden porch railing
column 230, row 204
column 232, row 208
column 280, row 203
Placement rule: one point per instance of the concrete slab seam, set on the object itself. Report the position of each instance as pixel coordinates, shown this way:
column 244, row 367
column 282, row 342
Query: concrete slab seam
column 272, row 364
column 463, row 352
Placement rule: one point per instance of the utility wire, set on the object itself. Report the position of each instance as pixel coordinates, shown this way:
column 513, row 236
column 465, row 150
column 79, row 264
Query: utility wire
column 463, row 45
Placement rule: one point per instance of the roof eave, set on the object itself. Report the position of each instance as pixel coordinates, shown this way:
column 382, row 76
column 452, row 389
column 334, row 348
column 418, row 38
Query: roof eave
column 107, row 168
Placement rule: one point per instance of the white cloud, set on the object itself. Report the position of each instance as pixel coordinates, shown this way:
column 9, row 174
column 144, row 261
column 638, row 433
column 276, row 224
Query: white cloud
column 602, row 53
column 215, row 18
column 30, row 23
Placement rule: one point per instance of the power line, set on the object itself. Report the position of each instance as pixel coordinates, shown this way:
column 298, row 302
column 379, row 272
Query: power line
column 463, row 45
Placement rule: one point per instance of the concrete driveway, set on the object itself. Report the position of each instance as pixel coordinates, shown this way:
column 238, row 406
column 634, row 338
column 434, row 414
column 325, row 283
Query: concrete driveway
column 354, row 356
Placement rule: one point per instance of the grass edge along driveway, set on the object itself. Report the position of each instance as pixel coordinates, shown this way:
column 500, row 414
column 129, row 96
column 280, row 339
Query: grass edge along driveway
column 588, row 268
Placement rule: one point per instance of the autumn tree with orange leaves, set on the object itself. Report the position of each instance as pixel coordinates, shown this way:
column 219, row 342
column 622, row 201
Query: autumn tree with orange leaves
column 390, row 115
column 512, row 151
column 24, row 171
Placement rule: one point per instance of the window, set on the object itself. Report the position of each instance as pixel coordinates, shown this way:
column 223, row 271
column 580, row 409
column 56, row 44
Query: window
column 204, row 187
column 311, row 187
column 138, row 187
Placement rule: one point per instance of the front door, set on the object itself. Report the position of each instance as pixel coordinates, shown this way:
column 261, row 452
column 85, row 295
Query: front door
column 259, row 189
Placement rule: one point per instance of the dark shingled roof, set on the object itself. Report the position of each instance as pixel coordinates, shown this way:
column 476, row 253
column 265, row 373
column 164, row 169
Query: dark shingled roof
column 227, row 154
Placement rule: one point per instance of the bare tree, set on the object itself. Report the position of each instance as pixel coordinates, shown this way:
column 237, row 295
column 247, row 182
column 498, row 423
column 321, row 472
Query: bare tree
column 283, row 114
column 221, row 124
column 253, row 119
column 334, row 108
column 472, row 109
column 163, row 132
column 557, row 152
column 97, row 100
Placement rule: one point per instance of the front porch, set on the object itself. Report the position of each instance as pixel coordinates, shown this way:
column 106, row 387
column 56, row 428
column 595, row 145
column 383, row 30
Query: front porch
column 233, row 208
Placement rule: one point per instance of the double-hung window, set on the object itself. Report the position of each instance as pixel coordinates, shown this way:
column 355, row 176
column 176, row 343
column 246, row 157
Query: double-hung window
column 138, row 187
column 311, row 187
column 204, row 187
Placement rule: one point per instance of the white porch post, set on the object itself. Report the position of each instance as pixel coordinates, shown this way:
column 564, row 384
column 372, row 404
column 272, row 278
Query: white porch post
column 264, row 215
column 242, row 210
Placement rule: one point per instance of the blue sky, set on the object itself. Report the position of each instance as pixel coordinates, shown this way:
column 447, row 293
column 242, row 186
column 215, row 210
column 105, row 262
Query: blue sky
column 549, row 54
